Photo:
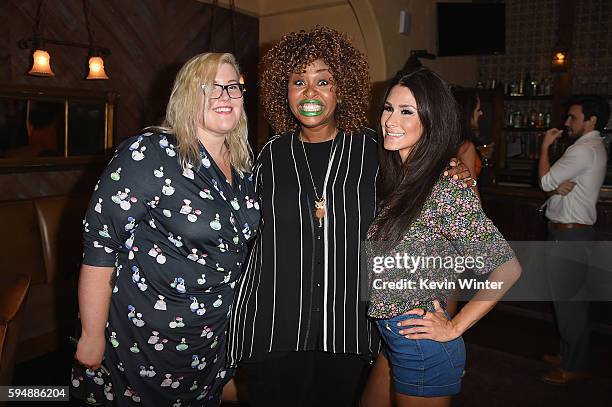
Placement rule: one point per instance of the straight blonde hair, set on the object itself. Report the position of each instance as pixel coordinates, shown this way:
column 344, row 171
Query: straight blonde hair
column 183, row 108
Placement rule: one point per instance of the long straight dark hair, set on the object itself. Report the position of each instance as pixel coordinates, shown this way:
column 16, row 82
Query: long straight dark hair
column 404, row 186
column 467, row 100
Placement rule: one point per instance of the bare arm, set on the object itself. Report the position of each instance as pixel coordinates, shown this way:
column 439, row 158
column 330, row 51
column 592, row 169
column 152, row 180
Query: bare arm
column 462, row 220
column 544, row 163
column 467, row 154
column 435, row 325
column 484, row 300
column 94, row 301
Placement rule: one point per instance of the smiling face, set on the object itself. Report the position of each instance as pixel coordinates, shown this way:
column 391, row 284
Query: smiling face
column 312, row 96
column 400, row 121
column 223, row 114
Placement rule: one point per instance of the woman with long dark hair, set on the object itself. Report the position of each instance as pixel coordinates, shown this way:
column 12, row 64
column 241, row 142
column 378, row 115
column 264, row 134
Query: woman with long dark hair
column 425, row 214
column 470, row 112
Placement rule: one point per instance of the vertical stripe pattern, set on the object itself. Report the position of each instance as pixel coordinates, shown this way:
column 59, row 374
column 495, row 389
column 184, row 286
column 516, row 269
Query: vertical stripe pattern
column 274, row 305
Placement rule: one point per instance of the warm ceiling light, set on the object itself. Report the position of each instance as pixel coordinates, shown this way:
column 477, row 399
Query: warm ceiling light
column 559, row 61
column 96, row 68
column 40, row 64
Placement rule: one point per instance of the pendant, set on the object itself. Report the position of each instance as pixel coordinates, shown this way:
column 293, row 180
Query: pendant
column 320, row 210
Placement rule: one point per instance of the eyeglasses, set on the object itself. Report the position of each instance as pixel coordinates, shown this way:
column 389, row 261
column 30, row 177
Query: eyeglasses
column 234, row 90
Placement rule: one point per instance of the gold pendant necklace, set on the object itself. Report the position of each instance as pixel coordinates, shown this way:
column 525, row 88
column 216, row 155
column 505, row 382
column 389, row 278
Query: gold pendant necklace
column 319, row 203
column 320, row 209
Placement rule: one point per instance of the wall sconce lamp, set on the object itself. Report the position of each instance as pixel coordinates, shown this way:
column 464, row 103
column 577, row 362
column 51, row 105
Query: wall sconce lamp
column 559, row 61
column 41, row 65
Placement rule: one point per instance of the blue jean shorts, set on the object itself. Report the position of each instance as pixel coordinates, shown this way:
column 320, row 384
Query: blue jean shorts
column 422, row 367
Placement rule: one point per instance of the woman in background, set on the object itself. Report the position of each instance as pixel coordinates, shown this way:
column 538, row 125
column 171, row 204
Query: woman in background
column 470, row 112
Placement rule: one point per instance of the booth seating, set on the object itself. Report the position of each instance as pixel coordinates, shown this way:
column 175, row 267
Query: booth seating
column 13, row 293
column 42, row 239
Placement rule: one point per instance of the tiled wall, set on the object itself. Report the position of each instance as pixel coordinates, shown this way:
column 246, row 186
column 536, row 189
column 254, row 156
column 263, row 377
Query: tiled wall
column 530, row 37
column 592, row 53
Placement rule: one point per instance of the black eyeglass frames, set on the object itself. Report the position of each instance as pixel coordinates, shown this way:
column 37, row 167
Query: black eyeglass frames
column 234, row 90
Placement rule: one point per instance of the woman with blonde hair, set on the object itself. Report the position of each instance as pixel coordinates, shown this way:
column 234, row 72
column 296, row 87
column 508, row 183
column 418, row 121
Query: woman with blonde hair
column 164, row 240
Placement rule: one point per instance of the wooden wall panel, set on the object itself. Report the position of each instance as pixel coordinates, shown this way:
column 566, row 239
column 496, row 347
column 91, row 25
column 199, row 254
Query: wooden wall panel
column 149, row 40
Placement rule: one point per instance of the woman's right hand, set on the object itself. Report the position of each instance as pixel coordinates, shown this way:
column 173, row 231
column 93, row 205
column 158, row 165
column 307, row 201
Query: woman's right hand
column 90, row 351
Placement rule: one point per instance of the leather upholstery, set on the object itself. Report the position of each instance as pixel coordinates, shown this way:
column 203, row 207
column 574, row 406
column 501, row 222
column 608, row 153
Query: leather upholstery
column 13, row 293
column 42, row 239
column 60, row 221
column 20, row 249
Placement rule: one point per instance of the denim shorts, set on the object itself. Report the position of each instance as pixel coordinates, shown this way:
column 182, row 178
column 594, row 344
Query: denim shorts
column 422, row 367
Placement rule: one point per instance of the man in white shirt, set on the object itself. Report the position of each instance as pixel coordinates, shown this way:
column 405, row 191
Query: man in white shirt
column 574, row 180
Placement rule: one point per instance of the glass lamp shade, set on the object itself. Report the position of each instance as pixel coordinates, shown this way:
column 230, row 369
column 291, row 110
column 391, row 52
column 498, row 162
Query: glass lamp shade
column 96, row 68
column 41, row 64
column 559, row 61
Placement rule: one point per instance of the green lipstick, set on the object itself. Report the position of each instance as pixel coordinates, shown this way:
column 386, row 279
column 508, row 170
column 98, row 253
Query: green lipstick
column 311, row 107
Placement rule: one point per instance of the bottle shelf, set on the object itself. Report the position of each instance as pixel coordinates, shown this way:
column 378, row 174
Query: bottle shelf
column 523, row 129
column 528, row 97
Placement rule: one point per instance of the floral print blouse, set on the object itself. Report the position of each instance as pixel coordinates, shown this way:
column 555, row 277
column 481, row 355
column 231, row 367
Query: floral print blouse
column 450, row 229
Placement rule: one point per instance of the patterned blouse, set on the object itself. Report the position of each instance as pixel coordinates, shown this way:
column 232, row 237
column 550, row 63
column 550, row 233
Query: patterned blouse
column 177, row 239
column 451, row 229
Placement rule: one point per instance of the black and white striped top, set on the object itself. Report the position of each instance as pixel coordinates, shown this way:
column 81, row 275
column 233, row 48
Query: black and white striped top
column 276, row 298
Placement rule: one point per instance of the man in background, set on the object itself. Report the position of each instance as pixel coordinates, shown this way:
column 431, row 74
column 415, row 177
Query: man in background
column 575, row 180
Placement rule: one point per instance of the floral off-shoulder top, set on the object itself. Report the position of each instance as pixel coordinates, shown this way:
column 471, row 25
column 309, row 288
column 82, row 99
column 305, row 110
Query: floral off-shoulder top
column 450, row 233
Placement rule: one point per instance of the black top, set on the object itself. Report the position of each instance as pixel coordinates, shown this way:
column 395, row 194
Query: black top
column 301, row 286
column 178, row 239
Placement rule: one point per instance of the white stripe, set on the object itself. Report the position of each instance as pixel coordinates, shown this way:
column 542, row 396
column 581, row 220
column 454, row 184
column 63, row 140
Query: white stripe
column 325, row 250
column 257, row 256
column 348, row 168
column 374, row 215
column 242, row 304
column 260, row 256
column 335, row 248
column 299, row 196
column 274, row 243
column 357, row 315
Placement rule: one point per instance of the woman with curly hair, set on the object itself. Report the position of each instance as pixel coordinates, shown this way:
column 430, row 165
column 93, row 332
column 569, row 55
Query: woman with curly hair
column 298, row 323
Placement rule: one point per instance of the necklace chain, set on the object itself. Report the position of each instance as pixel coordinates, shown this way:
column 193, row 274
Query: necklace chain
column 310, row 172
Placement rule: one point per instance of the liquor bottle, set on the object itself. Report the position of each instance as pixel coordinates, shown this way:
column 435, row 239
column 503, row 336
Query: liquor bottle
column 517, row 120
column 547, row 119
column 533, row 87
column 526, row 84
column 533, row 118
column 548, row 87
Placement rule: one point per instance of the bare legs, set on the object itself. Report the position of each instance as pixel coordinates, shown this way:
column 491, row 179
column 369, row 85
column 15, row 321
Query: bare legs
column 412, row 401
column 379, row 391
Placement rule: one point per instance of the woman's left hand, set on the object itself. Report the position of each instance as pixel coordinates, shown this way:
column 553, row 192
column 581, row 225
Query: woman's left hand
column 433, row 325
column 458, row 170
